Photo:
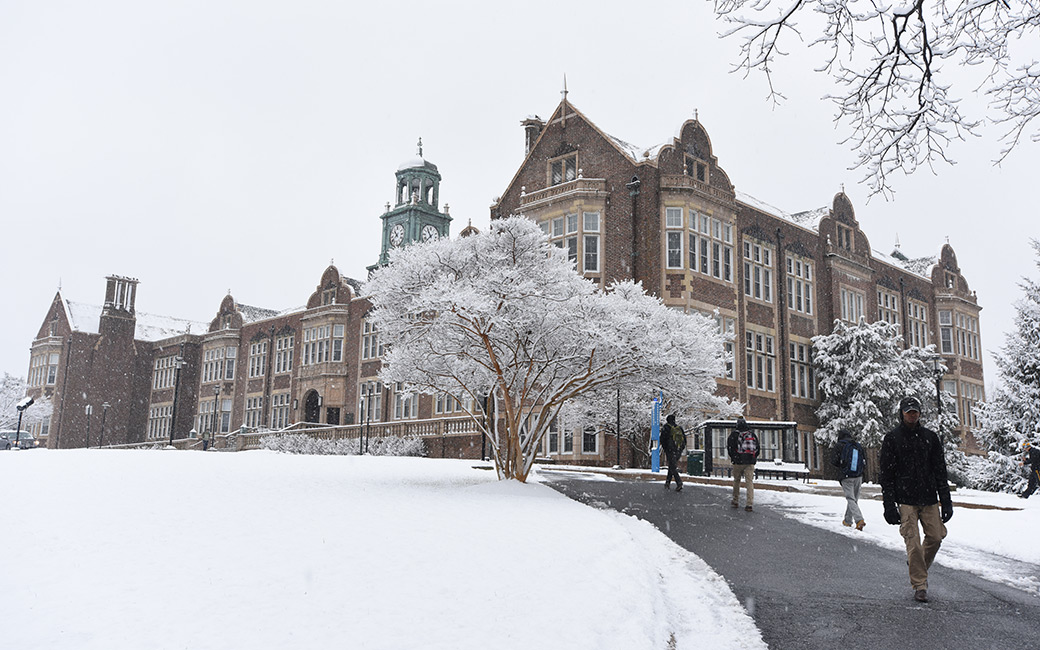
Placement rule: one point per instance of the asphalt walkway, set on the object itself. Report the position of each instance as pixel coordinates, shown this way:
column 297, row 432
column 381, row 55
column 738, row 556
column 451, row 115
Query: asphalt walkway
column 807, row 587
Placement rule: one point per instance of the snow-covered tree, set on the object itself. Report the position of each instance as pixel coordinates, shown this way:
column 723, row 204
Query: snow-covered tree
column 504, row 313
column 864, row 373
column 1012, row 414
column 12, row 391
column 901, row 69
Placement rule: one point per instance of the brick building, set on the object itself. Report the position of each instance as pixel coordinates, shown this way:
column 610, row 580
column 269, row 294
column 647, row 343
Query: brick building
column 671, row 218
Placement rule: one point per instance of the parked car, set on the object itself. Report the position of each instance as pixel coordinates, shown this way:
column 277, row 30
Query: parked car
column 11, row 439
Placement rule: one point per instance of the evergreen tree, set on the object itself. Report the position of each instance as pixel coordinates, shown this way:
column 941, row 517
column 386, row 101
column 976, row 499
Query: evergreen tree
column 864, row 373
column 1012, row 415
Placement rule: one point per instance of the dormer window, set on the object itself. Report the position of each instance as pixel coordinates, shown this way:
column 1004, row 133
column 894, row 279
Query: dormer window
column 563, row 169
column 697, row 169
column 844, row 237
column 328, row 297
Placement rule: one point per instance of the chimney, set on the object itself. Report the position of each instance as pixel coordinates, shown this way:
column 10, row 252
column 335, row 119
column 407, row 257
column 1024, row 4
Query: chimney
column 120, row 294
column 532, row 129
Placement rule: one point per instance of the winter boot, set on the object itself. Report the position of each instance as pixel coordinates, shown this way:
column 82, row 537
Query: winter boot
column 860, row 524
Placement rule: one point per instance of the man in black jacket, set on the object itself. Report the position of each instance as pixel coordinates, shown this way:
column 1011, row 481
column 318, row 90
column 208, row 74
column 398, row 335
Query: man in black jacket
column 915, row 490
column 743, row 449
column 673, row 441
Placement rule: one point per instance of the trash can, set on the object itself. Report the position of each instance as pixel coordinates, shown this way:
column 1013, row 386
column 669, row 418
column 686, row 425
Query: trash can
column 695, row 462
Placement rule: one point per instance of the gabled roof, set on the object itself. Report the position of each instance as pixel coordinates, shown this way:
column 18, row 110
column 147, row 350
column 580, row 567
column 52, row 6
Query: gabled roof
column 84, row 317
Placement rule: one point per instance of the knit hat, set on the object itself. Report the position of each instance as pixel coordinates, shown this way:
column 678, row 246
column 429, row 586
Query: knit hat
column 742, row 425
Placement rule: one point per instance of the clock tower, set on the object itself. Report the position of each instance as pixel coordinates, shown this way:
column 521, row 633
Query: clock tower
column 415, row 216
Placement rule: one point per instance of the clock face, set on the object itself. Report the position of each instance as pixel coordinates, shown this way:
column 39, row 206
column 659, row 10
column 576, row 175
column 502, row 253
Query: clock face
column 429, row 232
column 396, row 235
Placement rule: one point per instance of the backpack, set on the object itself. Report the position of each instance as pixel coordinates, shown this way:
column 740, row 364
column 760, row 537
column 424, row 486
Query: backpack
column 747, row 443
column 852, row 460
column 679, row 437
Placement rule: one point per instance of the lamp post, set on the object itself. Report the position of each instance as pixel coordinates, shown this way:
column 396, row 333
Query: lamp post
column 617, row 441
column 214, row 424
column 937, row 369
column 178, row 363
column 23, row 404
column 104, row 413
column 361, row 428
column 89, row 410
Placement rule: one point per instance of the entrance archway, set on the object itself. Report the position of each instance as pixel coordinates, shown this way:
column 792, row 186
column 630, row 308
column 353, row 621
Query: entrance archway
column 312, row 407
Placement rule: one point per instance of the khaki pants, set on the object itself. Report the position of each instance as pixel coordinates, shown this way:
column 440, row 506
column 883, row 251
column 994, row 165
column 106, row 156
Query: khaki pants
column 748, row 472
column 919, row 556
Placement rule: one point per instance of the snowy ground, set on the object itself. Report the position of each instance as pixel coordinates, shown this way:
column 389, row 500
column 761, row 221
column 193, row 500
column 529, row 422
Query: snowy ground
column 165, row 549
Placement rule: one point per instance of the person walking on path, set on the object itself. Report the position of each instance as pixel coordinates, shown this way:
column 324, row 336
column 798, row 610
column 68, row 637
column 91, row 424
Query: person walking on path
column 673, row 441
column 1032, row 458
column 743, row 449
column 848, row 457
column 915, row 490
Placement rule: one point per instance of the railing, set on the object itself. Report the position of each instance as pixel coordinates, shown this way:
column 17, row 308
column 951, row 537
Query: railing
column 591, row 186
column 681, row 182
column 455, row 426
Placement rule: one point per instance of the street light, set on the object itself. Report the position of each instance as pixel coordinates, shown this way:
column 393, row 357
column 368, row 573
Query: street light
column 88, row 409
column 23, row 404
column 213, row 420
column 938, row 370
column 361, row 429
column 104, row 412
column 178, row 363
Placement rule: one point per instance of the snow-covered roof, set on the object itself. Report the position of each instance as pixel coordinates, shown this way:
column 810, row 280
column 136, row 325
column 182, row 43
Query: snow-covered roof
column 921, row 266
column 414, row 163
column 807, row 218
column 635, row 153
column 150, row 327
column 252, row 314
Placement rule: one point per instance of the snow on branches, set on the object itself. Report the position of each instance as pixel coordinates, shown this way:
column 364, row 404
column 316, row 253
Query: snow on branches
column 504, row 313
column 12, row 391
column 1012, row 414
column 864, row 372
column 894, row 67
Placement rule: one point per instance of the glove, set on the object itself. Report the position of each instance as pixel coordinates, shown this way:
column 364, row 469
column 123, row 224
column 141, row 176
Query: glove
column 892, row 513
column 946, row 508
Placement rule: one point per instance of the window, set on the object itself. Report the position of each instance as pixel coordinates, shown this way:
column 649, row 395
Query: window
column 675, row 254
column 844, row 237
column 316, row 345
column 159, row 421
column 225, row 415
column 589, row 440
column 673, row 218
column 758, row 273
column 568, row 440
column 445, row 403
column 283, row 353
column 887, row 306
column 851, row 305
column 966, row 335
column 917, row 323
column 761, row 361
column 728, row 327
column 554, row 436
column 802, row 383
column 696, row 168
column 799, row 285
column 564, row 232
column 404, row 404
column 163, row 375
column 711, row 246
column 563, row 169
column 371, row 348
column 52, row 368
column 257, row 359
column 328, row 297
column 590, row 224
column 280, row 411
column 219, row 364
column 946, row 331
column 337, row 342
column 254, row 412
column 971, row 395
column 371, row 401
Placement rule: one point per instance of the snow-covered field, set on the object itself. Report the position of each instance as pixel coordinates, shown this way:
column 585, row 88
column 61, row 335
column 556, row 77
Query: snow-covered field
column 166, row 549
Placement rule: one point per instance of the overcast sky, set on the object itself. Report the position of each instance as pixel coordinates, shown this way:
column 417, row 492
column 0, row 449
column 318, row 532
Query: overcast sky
column 208, row 146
